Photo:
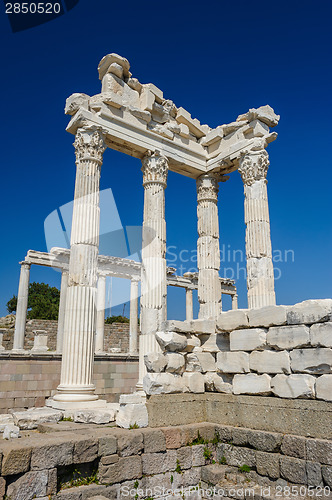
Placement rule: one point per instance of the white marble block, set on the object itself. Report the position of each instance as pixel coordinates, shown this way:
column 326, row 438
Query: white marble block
column 324, row 387
column 269, row 362
column 316, row 361
column 155, row 362
column 321, row 334
column 171, row 341
column 233, row 362
column 40, row 341
column 162, row 383
column 194, row 382
column 132, row 415
column 309, row 311
column 175, row 362
column 288, row 337
column 232, row 320
column 214, row 382
column 267, row 316
column 293, row 386
column 1, row 341
column 247, row 339
column 201, row 362
column 252, row 383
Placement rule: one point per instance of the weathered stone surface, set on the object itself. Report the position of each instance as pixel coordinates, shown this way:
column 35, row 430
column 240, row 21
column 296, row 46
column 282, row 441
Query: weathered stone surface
column 130, row 443
column 16, row 459
column 155, row 362
column 233, row 362
column 198, row 457
column 193, row 341
column 173, row 436
column 214, row 343
column 29, row 486
column 324, row 387
column 5, row 419
column 314, row 473
column 31, row 418
column 194, row 382
column 11, row 431
column 132, row 414
column 327, row 475
column 195, row 326
column 293, row 469
column 288, row 337
column 232, row 320
column 85, row 450
column 265, row 114
column 252, row 384
column 134, row 398
column 191, row 477
column 213, row 473
column 94, row 416
column 162, row 383
column 200, row 362
column 267, row 316
column 107, row 445
column 185, row 457
column 264, row 441
column 240, row 436
column 294, row 446
column 293, row 386
column 171, row 341
column 236, row 456
column 175, row 362
column 319, row 450
column 125, row 469
column 215, row 382
column 155, row 463
column 247, row 339
column 109, row 459
column 154, row 440
column 309, row 311
column 267, row 464
column 75, row 102
column 316, row 361
column 52, row 454
column 269, row 362
column 321, row 334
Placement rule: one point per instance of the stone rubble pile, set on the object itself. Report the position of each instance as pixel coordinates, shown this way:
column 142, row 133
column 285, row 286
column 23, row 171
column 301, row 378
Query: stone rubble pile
column 285, row 351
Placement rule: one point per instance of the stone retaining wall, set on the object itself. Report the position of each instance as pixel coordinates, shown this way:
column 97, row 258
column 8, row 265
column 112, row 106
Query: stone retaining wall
column 284, row 351
column 118, row 461
column 27, row 380
column 116, row 335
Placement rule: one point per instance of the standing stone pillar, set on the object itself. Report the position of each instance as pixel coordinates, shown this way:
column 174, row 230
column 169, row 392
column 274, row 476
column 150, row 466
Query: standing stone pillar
column 260, row 280
column 62, row 310
column 22, row 307
column 189, row 304
column 133, row 316
column 208, row 253
column 154, row 276
column 234, row 301
column 100, row 321
column 80, row 320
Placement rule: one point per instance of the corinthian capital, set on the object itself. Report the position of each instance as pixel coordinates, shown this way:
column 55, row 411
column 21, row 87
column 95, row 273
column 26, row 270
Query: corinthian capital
column 155, row 168
column 89, row 145
column 208, row 186
column 253, row 166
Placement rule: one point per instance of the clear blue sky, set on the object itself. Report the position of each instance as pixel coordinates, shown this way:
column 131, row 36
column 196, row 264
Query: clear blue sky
column 217, row 59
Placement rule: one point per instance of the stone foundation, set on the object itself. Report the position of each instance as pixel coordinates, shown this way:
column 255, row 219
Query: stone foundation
column 144, row 462
column 28, row 380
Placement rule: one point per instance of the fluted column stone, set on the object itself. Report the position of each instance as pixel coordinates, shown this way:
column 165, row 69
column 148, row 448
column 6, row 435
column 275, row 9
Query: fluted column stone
column 154, row 277
column 100, row 321
column 133, row 316
column 62, row 311
column 208, row 253
column 260, row 280
column 80, row 319
column 189, row 304
column 22, row 306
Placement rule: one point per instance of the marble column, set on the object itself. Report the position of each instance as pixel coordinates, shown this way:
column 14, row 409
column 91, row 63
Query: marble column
column 22, row 306
column 62, row 309
column 208, row 253
column 100, row 321
column 154, row 277
column 133, row 316
column 253, row 168
column 189, row 304
column 234, row 301
column 76, row 387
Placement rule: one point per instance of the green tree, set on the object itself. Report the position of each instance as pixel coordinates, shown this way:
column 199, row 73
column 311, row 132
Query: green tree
column 116, row 319
column 43, row 302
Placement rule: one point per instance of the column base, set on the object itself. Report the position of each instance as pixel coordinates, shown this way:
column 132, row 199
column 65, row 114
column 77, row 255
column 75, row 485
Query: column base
column 18, row 351
column 76, row 405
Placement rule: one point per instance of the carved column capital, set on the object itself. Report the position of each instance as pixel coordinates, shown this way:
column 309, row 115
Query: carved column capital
column 89, row 145
column 208, row 187
column 253, row 166
column 25, row 264
column 154, row 168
